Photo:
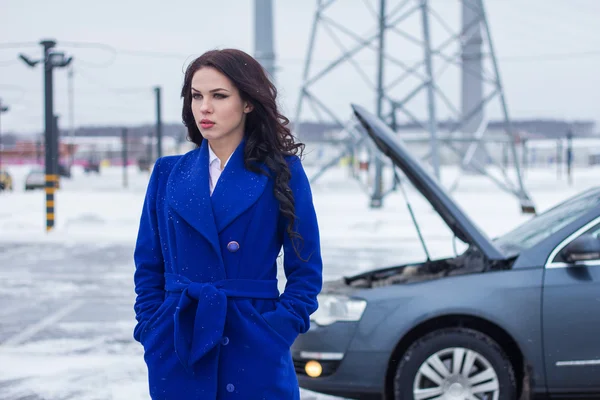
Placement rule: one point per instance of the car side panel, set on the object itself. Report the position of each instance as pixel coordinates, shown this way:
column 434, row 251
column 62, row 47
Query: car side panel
column 510, row 299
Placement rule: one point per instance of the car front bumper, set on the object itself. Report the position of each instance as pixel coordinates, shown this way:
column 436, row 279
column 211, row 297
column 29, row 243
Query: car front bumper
column 359, row 375
column 346, row 373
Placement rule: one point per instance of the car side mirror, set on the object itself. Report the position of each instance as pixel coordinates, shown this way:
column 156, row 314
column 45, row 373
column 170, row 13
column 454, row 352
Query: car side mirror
column 584, row 248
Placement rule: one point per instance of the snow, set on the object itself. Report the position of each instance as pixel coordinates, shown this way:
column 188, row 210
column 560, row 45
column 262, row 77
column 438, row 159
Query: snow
column 51, row 347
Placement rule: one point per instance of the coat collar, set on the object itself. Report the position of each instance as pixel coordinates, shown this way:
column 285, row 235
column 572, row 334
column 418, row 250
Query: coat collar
column 237, row 189
column 188, row 191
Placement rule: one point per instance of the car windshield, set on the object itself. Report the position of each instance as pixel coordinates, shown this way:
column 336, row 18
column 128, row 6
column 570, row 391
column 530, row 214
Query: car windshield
column 540, row 227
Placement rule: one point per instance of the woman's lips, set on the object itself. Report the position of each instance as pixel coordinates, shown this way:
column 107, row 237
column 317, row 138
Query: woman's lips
column 206, row 124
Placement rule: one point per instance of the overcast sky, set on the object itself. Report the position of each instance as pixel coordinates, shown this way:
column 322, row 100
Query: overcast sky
column 153, row 40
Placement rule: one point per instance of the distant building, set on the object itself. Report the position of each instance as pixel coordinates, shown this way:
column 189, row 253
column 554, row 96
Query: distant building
column 538, row 142
column 31, row 152
column 100, row 144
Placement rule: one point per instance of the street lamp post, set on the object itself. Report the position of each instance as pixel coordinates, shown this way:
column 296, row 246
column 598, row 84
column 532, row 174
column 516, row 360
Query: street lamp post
column 51, row 59
column 159, row 126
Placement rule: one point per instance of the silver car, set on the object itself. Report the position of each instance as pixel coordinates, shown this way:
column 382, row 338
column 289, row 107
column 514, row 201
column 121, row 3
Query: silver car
column 520, row 313
column 35, row 179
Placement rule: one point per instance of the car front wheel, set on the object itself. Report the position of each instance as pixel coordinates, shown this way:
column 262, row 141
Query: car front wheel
column 455, row 364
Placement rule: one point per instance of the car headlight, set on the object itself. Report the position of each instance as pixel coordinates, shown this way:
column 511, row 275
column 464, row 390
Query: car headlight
column 334, row 308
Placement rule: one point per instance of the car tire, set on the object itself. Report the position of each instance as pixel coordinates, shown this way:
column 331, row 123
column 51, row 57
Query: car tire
column 418, row 363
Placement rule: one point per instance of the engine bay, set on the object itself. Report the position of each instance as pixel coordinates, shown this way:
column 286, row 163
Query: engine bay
column 470, row 262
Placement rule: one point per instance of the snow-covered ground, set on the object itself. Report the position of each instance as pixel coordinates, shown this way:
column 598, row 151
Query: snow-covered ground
column 66, row 297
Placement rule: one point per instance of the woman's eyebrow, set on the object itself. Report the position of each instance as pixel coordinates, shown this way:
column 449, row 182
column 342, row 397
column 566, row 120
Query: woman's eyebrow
column 212, row 91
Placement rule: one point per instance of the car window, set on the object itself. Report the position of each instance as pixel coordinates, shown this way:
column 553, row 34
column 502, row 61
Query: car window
column 594, row 231
column 545, row 224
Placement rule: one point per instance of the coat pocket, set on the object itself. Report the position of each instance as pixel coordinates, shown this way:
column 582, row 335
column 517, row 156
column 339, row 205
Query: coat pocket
column 270, row 330
column 275, row 332
column 155, row 318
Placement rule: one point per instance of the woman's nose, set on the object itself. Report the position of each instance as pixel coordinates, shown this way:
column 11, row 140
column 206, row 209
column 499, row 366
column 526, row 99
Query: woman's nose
column 206, row 106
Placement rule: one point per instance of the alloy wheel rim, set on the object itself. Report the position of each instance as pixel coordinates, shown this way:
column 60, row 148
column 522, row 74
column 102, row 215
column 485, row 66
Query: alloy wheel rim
column 456, row 373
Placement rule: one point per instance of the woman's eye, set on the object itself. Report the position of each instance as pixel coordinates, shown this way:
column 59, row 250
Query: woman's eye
column 196, row 96
column 220, row 96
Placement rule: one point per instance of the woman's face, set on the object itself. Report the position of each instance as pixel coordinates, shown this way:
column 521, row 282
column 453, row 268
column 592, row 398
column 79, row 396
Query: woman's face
column 219, row 111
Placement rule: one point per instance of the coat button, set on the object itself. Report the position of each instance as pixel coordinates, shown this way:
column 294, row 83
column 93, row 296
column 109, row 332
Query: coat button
column 225, row 341
column 230, row 388
column 233, row 246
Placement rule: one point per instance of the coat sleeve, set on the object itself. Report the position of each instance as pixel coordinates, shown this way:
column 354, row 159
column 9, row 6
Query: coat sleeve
column 304, row 276
column 148, row 258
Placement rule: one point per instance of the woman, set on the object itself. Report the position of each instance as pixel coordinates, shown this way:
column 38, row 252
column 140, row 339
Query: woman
column 210, row 317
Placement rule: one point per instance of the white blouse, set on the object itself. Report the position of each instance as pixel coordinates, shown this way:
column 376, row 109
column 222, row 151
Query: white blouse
column 214, row 168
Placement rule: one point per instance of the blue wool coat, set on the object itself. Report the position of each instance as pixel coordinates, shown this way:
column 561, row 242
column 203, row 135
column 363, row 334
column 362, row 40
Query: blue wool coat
column 210, row 316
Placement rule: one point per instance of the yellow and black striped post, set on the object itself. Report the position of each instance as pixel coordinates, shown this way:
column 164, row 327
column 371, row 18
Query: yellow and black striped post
column 51, row 60
column 51, row 185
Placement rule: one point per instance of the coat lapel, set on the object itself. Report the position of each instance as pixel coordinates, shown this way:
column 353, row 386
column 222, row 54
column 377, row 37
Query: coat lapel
column 237, row 189
column 188, row 194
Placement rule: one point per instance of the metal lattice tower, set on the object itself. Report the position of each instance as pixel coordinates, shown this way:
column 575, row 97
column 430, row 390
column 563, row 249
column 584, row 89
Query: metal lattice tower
column 264, row 50
column 403, row 61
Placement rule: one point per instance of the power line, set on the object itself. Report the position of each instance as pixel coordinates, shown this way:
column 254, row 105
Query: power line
column 141, row 53
column 108, row 88
column 93, row 45
column 533, row 57
column 515, row 58
column 125, row 52
column 553, row 57
column 14, row 45
column 18, row 45
column 115, row 51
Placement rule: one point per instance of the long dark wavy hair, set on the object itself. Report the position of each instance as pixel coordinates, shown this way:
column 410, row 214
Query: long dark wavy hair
column 268, row 139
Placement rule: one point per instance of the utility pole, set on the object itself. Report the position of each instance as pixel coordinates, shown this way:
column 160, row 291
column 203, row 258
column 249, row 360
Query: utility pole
column 38, row 149
column 51, row 59
column 150, row 147
column 559, row 154
column 263, row 36
column 377, row 195
column 124, row 154
column 428, row 60
column 570, row 157
column 56, row 151
column 71, row 118
column 3, row 108
column 158, row 124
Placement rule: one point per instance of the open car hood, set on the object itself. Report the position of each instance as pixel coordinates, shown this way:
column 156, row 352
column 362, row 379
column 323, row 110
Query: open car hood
column 388, row 142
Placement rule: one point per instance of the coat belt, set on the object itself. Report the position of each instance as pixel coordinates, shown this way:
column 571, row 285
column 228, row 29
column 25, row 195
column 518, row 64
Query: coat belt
column 202, row 310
